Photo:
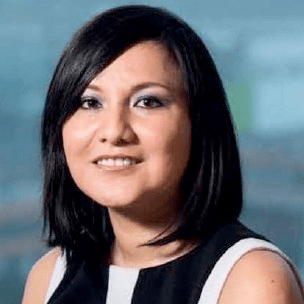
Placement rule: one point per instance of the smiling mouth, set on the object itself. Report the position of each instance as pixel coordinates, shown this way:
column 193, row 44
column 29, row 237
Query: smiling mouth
column 117, row 163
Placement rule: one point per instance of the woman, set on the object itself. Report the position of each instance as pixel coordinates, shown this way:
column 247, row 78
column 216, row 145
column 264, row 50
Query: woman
column 142, row 183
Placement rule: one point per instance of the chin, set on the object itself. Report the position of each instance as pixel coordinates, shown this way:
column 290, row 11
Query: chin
column 116, row 200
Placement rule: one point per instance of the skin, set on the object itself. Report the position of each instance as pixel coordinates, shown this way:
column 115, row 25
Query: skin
column 135, row 107
column 115, row 119
column 262, row 277
column 39, row 278
column 259, row 277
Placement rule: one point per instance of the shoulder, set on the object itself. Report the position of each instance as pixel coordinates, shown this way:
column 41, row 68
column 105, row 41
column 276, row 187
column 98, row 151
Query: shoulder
column 262, row 276
column 39, row 278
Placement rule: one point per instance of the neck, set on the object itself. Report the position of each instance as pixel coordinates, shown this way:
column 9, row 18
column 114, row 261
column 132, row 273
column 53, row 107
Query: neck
column 132, row 232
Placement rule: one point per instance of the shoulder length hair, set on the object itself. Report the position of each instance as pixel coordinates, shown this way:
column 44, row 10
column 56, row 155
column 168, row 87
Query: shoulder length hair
column 211, row 185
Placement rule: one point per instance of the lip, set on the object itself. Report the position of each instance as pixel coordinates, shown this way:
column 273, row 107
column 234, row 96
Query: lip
column 108, row 165
column 137, row 159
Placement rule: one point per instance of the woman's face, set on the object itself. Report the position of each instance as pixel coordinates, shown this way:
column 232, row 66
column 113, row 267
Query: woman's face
column 129, row 142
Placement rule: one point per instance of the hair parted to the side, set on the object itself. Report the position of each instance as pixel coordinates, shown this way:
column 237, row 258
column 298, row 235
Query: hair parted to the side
column 212, row 185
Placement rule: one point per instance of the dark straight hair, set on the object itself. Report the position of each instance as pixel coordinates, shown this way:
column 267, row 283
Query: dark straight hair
column 211, row 185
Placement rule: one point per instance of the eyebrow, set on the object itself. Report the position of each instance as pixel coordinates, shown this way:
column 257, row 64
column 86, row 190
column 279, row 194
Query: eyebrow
column 137, row 87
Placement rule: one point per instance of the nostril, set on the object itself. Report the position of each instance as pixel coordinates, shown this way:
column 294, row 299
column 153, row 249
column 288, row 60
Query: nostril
column 121, row 142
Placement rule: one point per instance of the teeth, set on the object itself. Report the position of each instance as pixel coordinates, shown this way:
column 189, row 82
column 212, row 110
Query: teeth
column 110, row 162
column 118, row 162
column 126, row 162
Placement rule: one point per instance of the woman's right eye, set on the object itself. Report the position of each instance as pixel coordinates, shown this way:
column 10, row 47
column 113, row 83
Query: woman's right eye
column 90, row 103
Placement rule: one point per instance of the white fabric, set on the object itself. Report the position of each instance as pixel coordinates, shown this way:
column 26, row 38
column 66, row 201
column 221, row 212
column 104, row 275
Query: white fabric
column 121, row 284
column 122, row 281
column 215, row 282
column 57, row 276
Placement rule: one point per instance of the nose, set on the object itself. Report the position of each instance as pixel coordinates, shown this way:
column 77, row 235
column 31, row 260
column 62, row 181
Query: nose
column 116, row 128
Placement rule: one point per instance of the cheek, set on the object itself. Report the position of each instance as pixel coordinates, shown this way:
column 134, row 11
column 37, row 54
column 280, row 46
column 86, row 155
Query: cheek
column 168, row 133
column 177, row 136
column 171, row 141
column 179, row 145
column 77, row 136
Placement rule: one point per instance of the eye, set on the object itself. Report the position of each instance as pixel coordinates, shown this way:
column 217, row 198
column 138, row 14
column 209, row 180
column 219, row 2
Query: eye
column 149, row 102
column 90, row 103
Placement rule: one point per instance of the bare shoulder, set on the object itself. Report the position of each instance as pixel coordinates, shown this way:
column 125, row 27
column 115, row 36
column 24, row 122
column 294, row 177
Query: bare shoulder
column 39, row 277
column 262, row 276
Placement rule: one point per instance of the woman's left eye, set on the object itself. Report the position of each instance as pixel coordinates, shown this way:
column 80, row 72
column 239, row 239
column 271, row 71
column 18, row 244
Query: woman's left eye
column 149, row 102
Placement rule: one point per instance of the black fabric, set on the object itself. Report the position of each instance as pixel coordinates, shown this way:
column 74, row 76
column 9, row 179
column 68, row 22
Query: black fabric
column 179, row 281
column 82, row 283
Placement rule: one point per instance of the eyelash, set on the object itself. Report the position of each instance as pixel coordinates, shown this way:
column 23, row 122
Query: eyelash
column 150, row 102
column 156, row 102
column 90, row 103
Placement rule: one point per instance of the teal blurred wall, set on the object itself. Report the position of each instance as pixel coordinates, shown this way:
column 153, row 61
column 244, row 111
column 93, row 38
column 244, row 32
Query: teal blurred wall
column 259, row 49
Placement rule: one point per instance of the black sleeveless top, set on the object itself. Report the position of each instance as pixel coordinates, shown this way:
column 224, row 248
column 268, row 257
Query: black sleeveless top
column 179, row 281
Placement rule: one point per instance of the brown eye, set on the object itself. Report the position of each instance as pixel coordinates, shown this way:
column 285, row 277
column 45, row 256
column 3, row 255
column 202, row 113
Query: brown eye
column 90, row 103
column 149, row 102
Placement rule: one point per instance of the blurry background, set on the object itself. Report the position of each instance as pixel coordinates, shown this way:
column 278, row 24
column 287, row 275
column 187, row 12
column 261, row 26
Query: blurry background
column 258, row 46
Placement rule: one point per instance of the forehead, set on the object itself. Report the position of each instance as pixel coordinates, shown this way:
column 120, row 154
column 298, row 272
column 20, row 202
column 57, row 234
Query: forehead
column 147, row 62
